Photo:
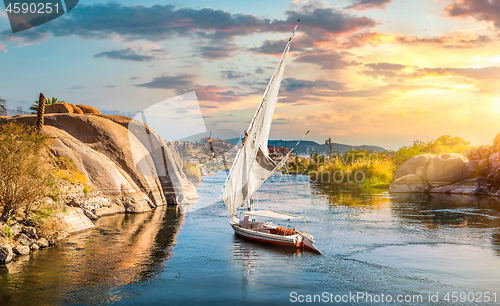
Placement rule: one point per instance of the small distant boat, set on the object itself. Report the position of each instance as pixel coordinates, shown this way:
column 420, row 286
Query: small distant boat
column 252, row 167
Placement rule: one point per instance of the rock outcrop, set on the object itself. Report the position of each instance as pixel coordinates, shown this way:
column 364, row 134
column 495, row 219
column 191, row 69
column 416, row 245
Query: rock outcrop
column 475, row 171
column 408, row 183
column 414, row 163
column 6, row 252
column 86, row 109
column 126, row 162
column 128, row 168
column 449, row 168
column 62, row 108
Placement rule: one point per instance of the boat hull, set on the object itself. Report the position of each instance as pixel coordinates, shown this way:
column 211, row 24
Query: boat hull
column 292, row 241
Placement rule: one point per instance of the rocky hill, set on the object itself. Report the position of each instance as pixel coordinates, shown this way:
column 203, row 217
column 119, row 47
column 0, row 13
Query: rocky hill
column 475, row 171
column 306, row 147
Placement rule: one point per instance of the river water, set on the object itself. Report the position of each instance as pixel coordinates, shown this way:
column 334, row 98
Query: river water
column 404, row 246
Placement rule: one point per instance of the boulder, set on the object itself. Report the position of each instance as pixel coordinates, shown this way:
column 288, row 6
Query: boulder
column 23, row 239
column 34, row 246
column 30, row 232
column 482, row 166
column 497, row 139
column 474, row 153
column 16, row 229
column 407, row 183
column 484, row 152
column 86, row 109
column 62, row 108
column 467, row 153
column 90, row 215
column 494, row 161
column 467, row 186
column 107, row 211
column 73, row 221
column 168, row 163
column 420, row 171
column 6, row 253
column 449, row 168
column 21, row 249
column 411, row 165
column 75, row 109
column 42, row 242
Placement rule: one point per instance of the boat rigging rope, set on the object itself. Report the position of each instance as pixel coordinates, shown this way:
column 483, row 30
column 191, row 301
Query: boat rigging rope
column 288, row 185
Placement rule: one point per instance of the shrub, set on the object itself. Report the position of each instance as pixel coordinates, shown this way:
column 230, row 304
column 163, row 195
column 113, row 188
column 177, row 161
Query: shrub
column 24, row 170
column 192, row 171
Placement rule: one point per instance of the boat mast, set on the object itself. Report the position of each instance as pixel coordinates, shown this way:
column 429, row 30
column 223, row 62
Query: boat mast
column 259, row 108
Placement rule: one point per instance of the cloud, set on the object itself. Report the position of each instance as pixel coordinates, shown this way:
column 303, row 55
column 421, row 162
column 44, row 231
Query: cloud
column 77, row 87
column 259, row 70
column 217, row 52
column 33, row 36
column 363, row 38
column 485, row 73
column 390, row 72
column 216, row 94
column 231, row 74
column 386, row 91
column 125, row 54
column 481, row 10
column 446, row 41
column 276, row 47
column 181, row 83
column 295, row 90
column 160, row 22
column 292, row 85
column 326, row 59
column 365, row 5
column 385, row 71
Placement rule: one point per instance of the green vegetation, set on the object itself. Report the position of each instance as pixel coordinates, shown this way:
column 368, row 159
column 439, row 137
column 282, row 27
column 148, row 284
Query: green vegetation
column 372, row 169
column 24, row 168
column 8, row 231
column 355, row 167
column 444, row 144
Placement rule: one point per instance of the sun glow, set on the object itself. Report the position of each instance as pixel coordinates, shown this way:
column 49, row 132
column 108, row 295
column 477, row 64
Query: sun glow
column 496, row 105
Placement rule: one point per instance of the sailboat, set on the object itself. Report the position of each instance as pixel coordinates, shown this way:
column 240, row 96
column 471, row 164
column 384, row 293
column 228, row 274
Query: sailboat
column 252, row 167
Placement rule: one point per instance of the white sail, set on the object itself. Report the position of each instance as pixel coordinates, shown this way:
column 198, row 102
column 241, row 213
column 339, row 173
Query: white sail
column 252, row 166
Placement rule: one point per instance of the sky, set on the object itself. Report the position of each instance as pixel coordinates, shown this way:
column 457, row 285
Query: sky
column 374, row 72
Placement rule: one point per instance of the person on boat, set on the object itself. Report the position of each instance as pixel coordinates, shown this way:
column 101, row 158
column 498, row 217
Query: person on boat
column 244, row 138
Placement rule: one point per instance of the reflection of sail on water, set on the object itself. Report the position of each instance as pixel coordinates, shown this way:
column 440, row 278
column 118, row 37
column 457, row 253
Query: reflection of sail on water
column 252, row 165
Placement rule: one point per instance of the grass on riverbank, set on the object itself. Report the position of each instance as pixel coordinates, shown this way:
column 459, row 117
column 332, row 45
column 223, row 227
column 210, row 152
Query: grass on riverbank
column 371, row 169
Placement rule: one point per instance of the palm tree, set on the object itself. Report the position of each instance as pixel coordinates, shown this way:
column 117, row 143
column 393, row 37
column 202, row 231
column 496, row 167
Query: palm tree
column 48, row 101
column 40, row 112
